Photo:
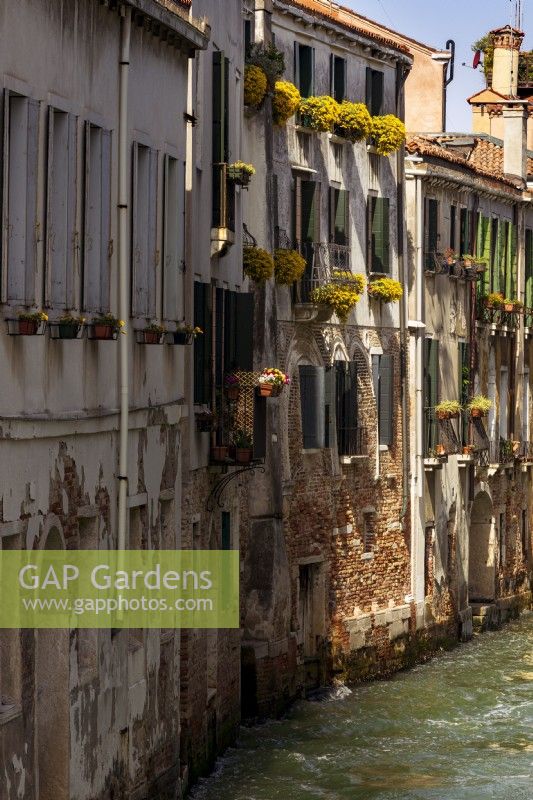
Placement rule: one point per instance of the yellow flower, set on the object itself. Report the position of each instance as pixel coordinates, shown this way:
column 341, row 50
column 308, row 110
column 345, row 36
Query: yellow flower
column 255, row 85
column 121, row 323
column 354, row 121
column 285, row 101
column 320, row 113
column 388, row 134
column 258, row 264
column 289, row 266
column 386, row 289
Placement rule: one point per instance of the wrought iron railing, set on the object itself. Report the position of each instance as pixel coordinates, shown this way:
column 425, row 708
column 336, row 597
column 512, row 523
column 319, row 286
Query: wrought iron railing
column 336, row 256
column 352, row 441
column 496, row 315
column 502, row 451
column 525, row 452
column 223, row 212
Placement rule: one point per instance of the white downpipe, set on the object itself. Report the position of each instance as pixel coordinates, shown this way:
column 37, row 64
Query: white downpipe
column 417, row 543
column 123, row 209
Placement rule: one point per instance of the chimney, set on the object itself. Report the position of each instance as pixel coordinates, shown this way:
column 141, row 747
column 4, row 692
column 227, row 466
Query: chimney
column 515, row 139
column 507, row 42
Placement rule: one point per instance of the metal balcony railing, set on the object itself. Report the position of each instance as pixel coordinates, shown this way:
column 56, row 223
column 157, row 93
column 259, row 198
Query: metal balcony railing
column 317, row 273
column 352, row 441
column 496, row 316
column 525, row 452
column 336, row 256
column 502, row 451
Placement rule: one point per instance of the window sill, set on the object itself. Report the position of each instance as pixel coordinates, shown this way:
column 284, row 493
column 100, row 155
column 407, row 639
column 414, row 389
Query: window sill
column 311, row 451
column 346, row 461
column 431, row 464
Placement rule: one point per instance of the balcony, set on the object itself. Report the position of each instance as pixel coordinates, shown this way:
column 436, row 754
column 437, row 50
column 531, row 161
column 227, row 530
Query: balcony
column 503, row 452
column 463, row 436
column 497, row 317
column 239, row 436
column 352, row 443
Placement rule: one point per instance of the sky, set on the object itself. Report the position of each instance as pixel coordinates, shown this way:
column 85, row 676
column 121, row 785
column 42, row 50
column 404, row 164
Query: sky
column 435, row 21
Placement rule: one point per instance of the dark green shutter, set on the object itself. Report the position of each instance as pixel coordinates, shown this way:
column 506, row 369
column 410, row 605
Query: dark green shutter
column 338, row 78
column 510, row 283
column 453, row 223
column 464, row 244
column 502, row 254
column 244, row 331
column 386, row 397
column 304, row 59
column 431, row 377
column 220, row 131
column 312, row 395
column 329, row 406
column 220, row 367
column 308, row 211
column 529, row 268
column 432, row 231
column 380, row 234
column 339, row 216
column 377, row 93
column 484, row 253
column 346, row 407
column 202, row 343
column 368, row 89
column 230, row 333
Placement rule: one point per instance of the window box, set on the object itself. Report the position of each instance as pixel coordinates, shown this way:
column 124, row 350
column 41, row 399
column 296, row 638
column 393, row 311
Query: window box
column 179, row 337
column 25, row 327
column 154, row 334
column 66, row 330
column 101, row 331
column 220, row 453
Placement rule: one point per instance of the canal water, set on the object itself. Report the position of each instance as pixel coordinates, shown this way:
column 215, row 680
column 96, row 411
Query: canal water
column 457, row 728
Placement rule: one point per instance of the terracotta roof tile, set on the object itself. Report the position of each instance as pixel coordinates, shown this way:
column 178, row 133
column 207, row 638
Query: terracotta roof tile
column 343, row 16
column 483, row 157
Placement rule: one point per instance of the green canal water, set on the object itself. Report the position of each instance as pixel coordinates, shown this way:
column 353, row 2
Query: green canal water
column 457, row 728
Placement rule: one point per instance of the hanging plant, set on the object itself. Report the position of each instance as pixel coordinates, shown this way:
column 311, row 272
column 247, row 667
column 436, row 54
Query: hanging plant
column 354, row 121
column 479, row 406
column 258, row 264
column 355, row 280
column 320, row 113
column 342, row 298
column 289, row 266
column 494, row 300
column 240, row 173
column 448, row 409
column 285, row 102
column 386, row 289
column 388, row 134
column 255, row 85
column 270, row 61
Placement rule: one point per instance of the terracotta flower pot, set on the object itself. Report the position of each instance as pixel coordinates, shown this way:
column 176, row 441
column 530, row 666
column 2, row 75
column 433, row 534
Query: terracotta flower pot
column 220, row 453
column 443, row 415
column 151, row 337
column 508, row 307
column 468, row 449
column 476, row 412
column 266, row 389
column 440, row 450
column 28, row 327
column 243, row 455
column 101, row 331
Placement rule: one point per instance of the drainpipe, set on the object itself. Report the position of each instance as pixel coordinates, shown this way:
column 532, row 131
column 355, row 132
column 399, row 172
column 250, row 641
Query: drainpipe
column 123, row 209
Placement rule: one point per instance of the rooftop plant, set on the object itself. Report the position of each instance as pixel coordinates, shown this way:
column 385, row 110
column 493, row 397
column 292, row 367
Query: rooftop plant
column 388, row 134
column 321, row 113
column 258, row 264
column 255, row 85
column 353, row 121
column 289, row 266
column 285, row 102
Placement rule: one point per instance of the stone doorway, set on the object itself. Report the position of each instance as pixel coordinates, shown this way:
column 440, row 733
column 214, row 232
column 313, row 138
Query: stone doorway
column 481, row 551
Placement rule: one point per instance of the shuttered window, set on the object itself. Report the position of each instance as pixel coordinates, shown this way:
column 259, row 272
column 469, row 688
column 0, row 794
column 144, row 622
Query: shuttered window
column 510, row 262
column 144, row 255
column 339, row 219
column 238, row 331
column 203, row 344
column 529, row 268
column 503, row 231
column 312, row 394
column 338, row 77
column 61, row 209
column 383, row 377
column 304, row 69
column 374, row 91
column 494, row 268
column 20, row 164
column 225, row 524
column 97, row 218
column 346, row 407
column 463, row 383
column 453, row 227
column 464, row 244
column 483, row 251
column 173, row 237
column 431, row 231
column 378, row 228
column 431, row 387
column 222, row 196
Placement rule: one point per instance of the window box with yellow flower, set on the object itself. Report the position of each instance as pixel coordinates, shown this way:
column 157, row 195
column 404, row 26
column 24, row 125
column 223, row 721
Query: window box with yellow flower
column 184, row 334
column 68, row 326
column 28, row 323
column 105, row 327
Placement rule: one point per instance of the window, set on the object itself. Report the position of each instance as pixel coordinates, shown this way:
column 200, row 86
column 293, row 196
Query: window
column 378, row 234
column 494, row 268
column 383, row 378
column 431, row 389
column 203, row 344
column 223, row 196
column 339, row 216
column 510, row 260
column 483, row 251
column 337, row 158
column 306, row 217
column 312, row 395
column 97, row 218
column 338, row 78
column 248, row 35
column 173, row 237
column 463, row 361
column 61, row 209
column 144, row 247
column 369, row 531
column 374, row 91
column 465, row 237
column 304, row 69
column 20, row 158
column 431, row 231
column 453, row 227
column 348, row 440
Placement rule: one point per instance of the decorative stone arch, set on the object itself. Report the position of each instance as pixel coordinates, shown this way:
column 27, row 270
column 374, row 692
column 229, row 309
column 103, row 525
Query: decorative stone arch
column 481, row 549
column 52, row 692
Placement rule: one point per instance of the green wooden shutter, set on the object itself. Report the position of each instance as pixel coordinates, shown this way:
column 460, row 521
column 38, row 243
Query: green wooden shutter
column 386, row 398
column 308, row 212
column 244, row 331
column 431, row 379
column 453, row 223
column 380, row 235
column 203, row 343
column 510, row 266
column 464, row 243
column 225, row 524
column 338, row 78
column 431, row 231
column 312, row 406
column 329, row 406
column 484, row 253
column 377, row 93
column 220, row 127
column 368, row 89
column 346, row 407
column 304, row 68
column 529, row 268
column 502, row 251
column 220, row 366
column 339, row 216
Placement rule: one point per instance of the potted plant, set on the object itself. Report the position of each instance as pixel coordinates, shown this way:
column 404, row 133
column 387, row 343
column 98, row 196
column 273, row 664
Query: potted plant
column 220, row 452
column 272, row 381
column 440, row 450
column 319, row 113
column 29, row 323
column 255, row 85
column 240, row 173
column 446, row 261
column 66, row 327
column 515, row 445
column 285, row 102
column 468, row 449
column 508, row 305
column 205, row 421
column 448, row 409
column 354, row 122
column 184, row 334
column 479, row 406
column 289, row 266
column 473, row 266
column 232, row 387
column 387, row 290
column 518, row 307
column 388, row 134
column 105, row 327
column 494, row 300
column 257, row 263
column 152, row 334
column 338, row 297
column 243, row 446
